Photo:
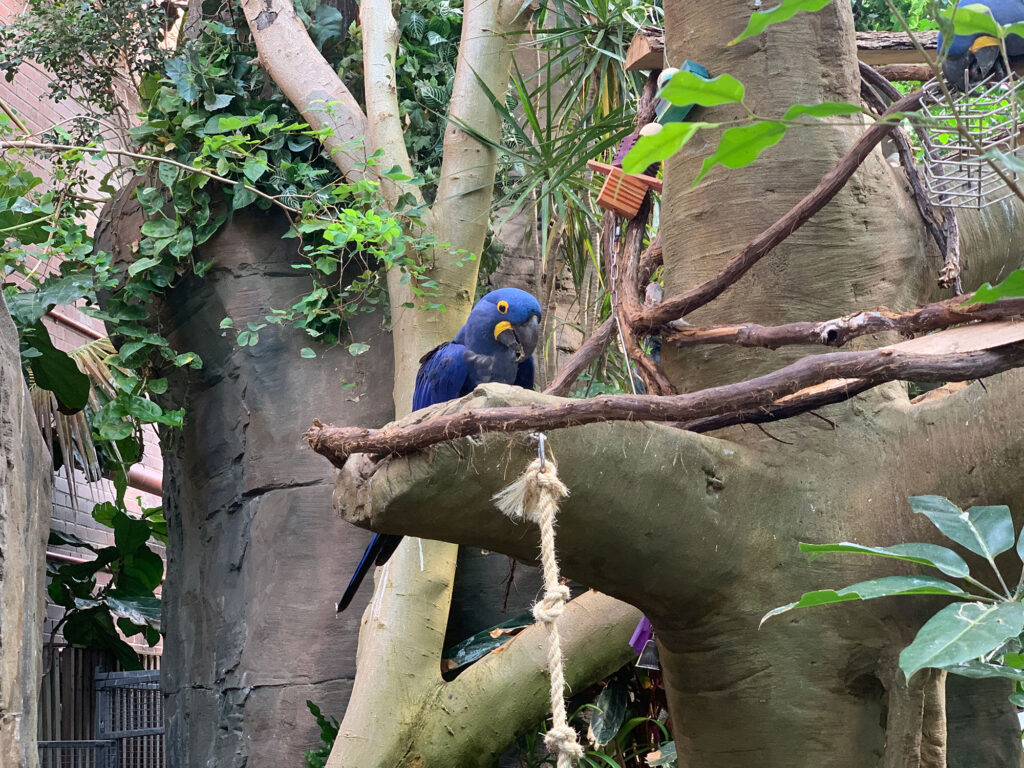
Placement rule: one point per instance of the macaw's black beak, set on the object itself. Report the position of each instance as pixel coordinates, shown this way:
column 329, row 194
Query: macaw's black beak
column 521, row 338
column 967, row 70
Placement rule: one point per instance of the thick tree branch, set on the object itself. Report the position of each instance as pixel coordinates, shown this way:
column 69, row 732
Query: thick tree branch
column 307, row 80
column 840, row 330
column 380, row 48
column 874, row 366
column 649, row 318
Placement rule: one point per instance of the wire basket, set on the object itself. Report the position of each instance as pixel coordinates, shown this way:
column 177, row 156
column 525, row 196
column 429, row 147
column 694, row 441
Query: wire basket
column 957, row 171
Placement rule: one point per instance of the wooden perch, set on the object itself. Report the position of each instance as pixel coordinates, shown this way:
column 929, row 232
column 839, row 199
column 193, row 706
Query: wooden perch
column 878, row 48
column 647, row 51
column 958, row 354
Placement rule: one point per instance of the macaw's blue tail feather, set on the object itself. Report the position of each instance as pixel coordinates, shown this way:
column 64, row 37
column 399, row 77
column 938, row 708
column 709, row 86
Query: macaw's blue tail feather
column 380, row 549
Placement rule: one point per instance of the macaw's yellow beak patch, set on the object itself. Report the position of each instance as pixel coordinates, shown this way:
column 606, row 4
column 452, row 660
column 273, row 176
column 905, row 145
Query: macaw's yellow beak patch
column 501, row 327
column 983, row 41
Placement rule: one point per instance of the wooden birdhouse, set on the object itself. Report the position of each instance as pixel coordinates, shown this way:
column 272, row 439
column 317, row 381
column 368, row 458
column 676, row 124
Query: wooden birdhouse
column 622, row 192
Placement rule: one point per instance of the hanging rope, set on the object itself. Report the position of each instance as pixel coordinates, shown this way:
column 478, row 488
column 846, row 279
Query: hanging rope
column 534, row 497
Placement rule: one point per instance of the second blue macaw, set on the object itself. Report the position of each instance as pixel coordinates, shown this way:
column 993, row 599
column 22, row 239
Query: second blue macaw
column 495, row 344
column 972, row 58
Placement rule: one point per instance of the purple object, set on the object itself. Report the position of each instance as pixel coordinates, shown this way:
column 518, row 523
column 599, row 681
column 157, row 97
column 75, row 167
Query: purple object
column 643, row 632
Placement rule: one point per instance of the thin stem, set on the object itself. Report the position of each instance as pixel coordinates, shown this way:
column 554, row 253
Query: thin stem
column 975, row 583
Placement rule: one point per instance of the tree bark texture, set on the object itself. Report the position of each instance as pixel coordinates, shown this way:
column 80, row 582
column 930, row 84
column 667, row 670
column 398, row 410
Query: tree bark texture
column 25, row 505
column 256, row 560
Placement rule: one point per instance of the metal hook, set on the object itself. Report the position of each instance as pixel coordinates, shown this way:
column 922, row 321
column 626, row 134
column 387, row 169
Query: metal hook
column 540, row 437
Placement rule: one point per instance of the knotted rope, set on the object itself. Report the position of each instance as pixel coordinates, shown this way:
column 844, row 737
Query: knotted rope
column 534, row 497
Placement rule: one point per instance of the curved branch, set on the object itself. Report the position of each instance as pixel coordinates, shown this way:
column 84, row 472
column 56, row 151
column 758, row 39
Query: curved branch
column 581, row 358
column 874, row 367
column 840, row 330
column 671, row 308
column 308, row 81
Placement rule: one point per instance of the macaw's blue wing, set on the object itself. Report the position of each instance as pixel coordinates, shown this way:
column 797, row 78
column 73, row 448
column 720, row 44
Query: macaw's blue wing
column 382, row 546
column 444, row 375
column 524, row 376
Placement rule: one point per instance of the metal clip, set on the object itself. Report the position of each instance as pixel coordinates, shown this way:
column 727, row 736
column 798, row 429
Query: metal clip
column 540, row 437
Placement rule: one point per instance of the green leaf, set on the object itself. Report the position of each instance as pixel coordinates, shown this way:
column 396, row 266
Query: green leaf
column 887, row 586
column 667, row 756
column 138, row 609
column 163, row 227
column 986, row 531
column 55, row 370
column 741, row 146
column 974, row 19
column 140, row 265
column 104, row 513
column 611, row 706
column 130, row 533
column 307, row 352
column 685, row 88
column 242, row 197
column 143, row 409
column 659, row 146
column 961, row 632
column 980, row 669
column 358, row 348
column 825, row 109
column 1012, row 286
column 254, row 168
column 485, row 641
column 141, row 572
column 946, row 560
column 761, row 20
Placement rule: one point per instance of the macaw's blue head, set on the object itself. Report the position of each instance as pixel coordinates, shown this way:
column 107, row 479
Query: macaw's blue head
column 507, row 317
column 970, row 59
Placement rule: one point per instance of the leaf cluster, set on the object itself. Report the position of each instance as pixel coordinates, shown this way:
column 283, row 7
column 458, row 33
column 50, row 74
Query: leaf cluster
column 981, row 634
column 88, row 46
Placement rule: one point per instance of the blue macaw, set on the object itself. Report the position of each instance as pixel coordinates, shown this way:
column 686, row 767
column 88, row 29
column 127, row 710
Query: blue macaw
column 495, row 344
column 972, row 58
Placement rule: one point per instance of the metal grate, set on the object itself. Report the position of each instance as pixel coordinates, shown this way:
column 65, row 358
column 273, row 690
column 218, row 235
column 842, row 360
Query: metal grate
column 130, row 709
column 957, row 171
column 90, row 753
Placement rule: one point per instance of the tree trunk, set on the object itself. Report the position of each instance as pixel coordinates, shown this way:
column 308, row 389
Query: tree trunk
column 709, row 526
column 25, row 505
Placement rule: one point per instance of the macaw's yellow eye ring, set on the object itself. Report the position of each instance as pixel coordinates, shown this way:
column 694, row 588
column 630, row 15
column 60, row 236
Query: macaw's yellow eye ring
column 503, row 306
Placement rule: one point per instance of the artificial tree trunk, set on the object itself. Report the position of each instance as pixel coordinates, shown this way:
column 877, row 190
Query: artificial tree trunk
column 25, row 506
column 709, row 525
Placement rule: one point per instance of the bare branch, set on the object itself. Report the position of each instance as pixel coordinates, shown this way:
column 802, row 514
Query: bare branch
column 589, row 351
column 671, row 308
column 874, row 367
column 310, row 83
column 840, row 330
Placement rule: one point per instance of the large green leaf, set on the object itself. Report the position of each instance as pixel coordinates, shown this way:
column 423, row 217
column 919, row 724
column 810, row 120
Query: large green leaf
column 139, row 609
column 611, row 707
column 1011, row 287
column 946, row 560
column 685, row 88
column 129, row 533
column 974, row 19
column 741, row 146
column 887, row 586
column 141, row 572
column 961, row 632
column 659, row 146
column 761, row 20
column 55, row 370
column 986, row 531
column 485, row 641
column 980, row 669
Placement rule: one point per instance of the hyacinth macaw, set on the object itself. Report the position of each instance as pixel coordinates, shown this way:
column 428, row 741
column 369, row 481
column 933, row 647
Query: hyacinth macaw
column 495, row 344
column 972, row 58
